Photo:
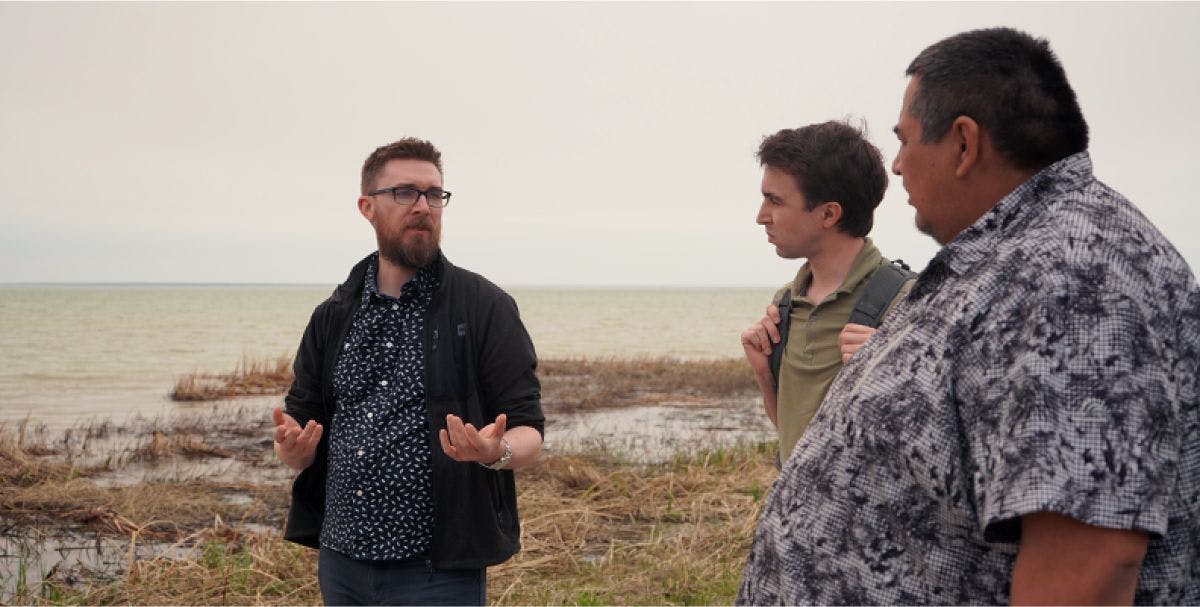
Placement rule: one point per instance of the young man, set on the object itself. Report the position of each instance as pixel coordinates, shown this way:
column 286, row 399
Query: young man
column 821, row 185
column 414, row 398
column 1026, row 430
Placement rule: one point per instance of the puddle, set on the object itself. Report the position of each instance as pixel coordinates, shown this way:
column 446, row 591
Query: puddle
column 657, row 433
column 28, row 557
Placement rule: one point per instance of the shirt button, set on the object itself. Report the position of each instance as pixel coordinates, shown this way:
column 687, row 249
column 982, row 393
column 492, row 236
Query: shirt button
column 370, row 415
column 388, row 344
column 395, row 307
column 358, row 493
column 360, row 452
column 383, row 382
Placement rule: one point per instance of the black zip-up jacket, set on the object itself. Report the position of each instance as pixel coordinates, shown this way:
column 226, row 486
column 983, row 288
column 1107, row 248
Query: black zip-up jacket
column 479, row 362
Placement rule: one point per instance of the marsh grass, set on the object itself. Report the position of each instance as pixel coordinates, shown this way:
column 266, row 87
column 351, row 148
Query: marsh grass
column 571, row 384
column 598, row 531
column 598, row 527
column 248, row 378
column 595, row 530
column 582, row 384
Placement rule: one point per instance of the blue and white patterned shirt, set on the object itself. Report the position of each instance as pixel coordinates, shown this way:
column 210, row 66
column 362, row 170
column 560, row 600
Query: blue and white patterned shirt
column 1045, row 360
column 379, row 501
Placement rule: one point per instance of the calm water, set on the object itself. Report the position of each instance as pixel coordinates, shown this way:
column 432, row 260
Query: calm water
column 70, row 353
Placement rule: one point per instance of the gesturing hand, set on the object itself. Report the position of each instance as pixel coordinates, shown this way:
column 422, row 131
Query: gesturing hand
column 463, row 443
column 295, row 446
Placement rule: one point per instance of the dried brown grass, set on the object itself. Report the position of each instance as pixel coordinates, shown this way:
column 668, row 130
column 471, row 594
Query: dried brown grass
column 594, row 531
column 248, row 378
column 581, row 384
column 598, row 532
column 567, row 384
column 221, row 565
column 37, row 492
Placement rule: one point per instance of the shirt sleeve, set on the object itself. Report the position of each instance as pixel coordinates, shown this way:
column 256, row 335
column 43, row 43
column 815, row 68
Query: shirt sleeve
column 1079, row 415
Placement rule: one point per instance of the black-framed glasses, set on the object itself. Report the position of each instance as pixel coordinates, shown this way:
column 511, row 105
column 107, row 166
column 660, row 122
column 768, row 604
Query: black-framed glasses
column 406, row 194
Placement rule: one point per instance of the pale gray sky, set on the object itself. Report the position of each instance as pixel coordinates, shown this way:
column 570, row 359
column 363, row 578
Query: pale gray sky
column 586, row 144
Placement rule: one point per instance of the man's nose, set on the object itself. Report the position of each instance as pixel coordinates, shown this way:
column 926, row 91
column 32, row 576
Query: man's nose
column 896, row 165
column 763, row 216
column 422, row 202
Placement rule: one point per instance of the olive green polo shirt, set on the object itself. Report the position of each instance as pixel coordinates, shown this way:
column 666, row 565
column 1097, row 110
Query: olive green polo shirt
column 812, row 357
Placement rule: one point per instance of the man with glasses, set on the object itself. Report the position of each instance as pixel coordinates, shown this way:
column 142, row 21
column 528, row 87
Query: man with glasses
column 414, row 399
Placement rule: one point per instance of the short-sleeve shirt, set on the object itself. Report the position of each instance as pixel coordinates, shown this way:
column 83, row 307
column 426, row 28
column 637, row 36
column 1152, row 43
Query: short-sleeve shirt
column 812, row 357
column 1045, row 361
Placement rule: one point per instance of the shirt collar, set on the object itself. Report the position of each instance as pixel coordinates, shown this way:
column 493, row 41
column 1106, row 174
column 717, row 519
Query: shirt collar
column 423, row 282
column 1029, row 200
column 864, row 264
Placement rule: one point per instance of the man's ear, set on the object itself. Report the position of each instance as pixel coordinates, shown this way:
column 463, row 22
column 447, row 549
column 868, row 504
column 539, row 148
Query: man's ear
column 831, row 213
column 968, row 138
column 366, row 206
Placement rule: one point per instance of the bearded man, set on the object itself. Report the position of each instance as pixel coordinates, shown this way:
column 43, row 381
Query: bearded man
column 414, row 399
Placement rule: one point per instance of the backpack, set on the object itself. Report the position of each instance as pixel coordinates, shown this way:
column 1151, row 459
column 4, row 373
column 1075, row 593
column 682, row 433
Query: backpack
column 885, row 283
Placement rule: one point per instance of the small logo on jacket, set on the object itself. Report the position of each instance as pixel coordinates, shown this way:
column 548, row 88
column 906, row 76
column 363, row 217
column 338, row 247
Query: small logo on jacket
column 462, row 329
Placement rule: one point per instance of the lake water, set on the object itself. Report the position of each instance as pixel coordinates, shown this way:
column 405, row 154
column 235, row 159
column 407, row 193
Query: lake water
column 73, row 353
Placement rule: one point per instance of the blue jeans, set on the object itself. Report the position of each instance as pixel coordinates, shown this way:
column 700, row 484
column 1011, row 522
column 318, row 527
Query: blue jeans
column 346, row 581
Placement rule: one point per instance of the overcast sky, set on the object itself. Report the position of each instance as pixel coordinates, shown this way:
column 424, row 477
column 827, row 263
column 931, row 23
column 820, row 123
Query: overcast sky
column 586, row 144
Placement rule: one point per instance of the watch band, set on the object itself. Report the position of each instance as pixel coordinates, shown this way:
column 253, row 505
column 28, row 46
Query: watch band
column 501, row 463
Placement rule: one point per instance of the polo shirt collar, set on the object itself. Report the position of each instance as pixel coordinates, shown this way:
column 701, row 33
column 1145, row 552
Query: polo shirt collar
column 867, row 260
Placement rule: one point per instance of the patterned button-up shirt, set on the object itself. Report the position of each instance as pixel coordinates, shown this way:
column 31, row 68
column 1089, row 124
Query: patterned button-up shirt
column 379, row 502
column 1045, row 361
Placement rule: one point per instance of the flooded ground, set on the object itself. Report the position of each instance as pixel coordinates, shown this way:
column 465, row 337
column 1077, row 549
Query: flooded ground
column 657, row 433
column 228, row 444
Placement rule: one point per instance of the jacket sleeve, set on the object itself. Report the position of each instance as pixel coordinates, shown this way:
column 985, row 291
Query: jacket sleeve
column 304, row 399
column 507, row 367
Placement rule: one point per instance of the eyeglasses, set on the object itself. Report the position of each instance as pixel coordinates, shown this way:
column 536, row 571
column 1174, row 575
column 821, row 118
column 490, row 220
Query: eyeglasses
column 436, row 198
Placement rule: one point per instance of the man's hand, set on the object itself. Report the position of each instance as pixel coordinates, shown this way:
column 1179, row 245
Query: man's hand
column 295, row 446
column 758, row 339
column 463, row 443
column 852, row 338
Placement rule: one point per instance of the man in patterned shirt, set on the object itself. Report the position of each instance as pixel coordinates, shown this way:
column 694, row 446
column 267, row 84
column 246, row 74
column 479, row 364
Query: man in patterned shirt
column 1025, row 426
column 424, row 377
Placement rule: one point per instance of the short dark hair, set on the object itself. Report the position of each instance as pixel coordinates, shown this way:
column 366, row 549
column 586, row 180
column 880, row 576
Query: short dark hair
column 1010, row 83
column 404, row 149
column 831, row 161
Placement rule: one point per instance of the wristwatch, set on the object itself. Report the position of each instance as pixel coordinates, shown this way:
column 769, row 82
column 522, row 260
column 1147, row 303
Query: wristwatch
column 501, row 463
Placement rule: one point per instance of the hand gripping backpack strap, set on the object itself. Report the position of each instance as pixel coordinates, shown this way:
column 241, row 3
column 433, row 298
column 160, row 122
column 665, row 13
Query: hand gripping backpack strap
column 881, row 290
column 785, row 317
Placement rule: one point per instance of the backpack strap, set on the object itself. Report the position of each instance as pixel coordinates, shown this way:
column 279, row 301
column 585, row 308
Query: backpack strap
column 785, row 317
column 885, row 283
column 881, row 289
